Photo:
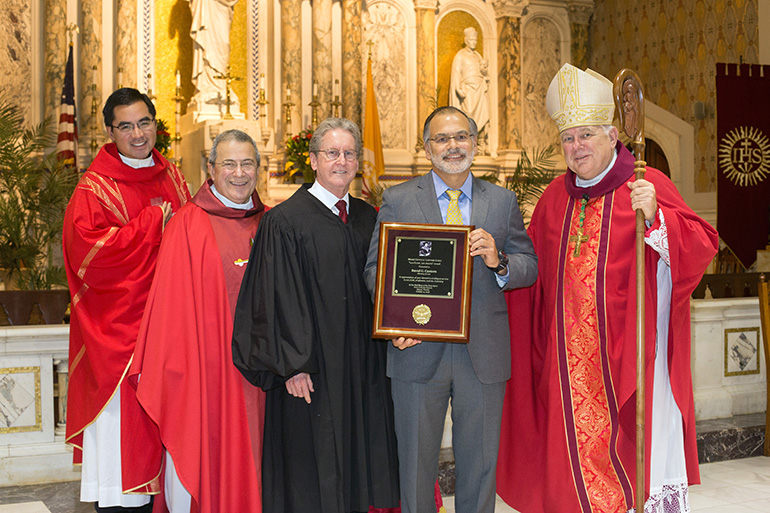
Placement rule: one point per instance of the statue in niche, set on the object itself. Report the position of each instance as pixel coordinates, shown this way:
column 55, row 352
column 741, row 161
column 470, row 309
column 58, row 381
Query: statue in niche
column 469, row 82
column 210, row 32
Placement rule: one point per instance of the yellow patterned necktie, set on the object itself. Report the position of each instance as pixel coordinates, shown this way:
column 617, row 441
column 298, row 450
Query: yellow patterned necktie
column 453, row 214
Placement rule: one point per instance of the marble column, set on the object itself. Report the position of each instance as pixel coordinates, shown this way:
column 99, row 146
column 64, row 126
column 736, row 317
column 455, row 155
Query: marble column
column 509, row 14
column 126, row 44
column 291, row 63
column 425, row 16
column 322, row 55
column 62, row 376
column 55, row 34
column 509, row 82
column 579, row 15
column 352, row 54
column 90, row 73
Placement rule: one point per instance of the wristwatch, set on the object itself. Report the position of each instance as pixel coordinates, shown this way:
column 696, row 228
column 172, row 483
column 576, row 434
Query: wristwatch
column 503, row 261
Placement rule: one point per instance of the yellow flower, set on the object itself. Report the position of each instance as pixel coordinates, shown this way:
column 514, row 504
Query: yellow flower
column 288, row 166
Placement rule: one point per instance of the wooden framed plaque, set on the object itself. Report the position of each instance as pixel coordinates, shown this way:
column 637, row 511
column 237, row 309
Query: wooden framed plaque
column 423, row 285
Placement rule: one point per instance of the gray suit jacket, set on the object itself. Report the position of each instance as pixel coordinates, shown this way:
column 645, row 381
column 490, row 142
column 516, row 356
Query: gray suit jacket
column 496, row 210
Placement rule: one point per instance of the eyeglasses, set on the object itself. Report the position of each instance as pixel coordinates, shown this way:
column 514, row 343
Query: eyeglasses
column 459, row 138
column 334, row 154
column 126, row 128
column 231, row 165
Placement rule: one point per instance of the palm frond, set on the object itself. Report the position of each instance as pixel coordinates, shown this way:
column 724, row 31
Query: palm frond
column 34, row 191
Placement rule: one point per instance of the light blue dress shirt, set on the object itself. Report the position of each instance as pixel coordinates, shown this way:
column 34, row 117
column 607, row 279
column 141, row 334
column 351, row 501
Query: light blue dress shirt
column 464, row 201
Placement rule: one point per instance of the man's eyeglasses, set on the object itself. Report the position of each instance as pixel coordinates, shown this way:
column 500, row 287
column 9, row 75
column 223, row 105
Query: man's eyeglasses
column 145, row 125
column 334, row 154
column 442, row 139
column 231, row 165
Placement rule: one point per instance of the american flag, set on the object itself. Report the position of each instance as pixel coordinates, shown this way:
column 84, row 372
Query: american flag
column 67, row 140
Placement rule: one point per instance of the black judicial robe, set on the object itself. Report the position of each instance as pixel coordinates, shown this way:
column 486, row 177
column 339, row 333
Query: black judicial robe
column 304, row 307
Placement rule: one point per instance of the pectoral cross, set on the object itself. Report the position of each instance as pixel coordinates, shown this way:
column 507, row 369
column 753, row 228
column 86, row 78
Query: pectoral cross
column 578, row 240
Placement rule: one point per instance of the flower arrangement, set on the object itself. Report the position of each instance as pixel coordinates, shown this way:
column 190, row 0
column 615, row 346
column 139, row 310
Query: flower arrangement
column 163, row 139
column 298, row 156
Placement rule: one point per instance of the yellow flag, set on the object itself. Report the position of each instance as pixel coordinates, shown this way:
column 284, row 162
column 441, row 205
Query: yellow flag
column 373, row 163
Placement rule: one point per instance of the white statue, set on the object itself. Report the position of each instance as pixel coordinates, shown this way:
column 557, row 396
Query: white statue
column 210, row 31
column 469, row 82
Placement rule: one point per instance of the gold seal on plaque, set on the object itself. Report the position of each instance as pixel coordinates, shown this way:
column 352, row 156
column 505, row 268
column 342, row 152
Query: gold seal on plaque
column 421, row 314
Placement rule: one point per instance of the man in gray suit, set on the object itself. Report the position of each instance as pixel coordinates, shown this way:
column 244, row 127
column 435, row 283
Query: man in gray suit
column 424, row 374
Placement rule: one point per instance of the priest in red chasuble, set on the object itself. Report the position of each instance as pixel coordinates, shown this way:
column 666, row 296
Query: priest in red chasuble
column 206, row 416
column 568, row 441
column 112, row 232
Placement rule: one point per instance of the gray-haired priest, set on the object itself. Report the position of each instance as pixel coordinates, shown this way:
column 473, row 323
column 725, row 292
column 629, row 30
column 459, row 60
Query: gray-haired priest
column 568, row 441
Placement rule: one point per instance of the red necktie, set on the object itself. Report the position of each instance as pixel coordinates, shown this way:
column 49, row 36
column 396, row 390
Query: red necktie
column 342, row 207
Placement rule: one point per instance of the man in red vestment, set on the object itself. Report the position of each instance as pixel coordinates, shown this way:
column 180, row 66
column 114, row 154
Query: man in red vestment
column 208, row 417
column 568, row 442
column 112, row 231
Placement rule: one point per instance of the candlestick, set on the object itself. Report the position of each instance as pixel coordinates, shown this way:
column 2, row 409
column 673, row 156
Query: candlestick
column 262, row 102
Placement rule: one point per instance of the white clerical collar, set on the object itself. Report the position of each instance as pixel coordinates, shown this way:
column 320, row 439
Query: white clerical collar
column 327, row 198
column 598, row 178
column 231, row 204
column 137, row 163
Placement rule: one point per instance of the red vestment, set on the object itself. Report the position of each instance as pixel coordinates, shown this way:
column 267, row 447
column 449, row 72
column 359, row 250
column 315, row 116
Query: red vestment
column 568, row 431
column 112, row 231
column 206, row 415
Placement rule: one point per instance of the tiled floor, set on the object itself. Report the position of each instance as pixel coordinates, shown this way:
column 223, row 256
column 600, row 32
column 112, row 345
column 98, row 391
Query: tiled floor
column 736, row 486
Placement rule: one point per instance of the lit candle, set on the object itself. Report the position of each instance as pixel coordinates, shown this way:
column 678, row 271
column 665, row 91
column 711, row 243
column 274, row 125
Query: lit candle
column 178, row 79
column 288, row 93
column 261, row 80
column 315, row 88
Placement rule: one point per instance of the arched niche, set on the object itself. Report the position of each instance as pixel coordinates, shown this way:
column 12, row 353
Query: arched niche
column 484, row 16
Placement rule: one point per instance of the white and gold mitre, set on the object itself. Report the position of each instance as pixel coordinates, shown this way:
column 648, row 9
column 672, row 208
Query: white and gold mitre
column 579, row 98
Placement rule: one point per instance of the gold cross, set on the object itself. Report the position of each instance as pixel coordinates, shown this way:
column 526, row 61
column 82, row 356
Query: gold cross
column 228, row 78
column 578, row 239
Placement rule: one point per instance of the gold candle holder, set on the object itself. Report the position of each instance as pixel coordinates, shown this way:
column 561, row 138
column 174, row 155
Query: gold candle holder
column 336, row 104
column 287, row 105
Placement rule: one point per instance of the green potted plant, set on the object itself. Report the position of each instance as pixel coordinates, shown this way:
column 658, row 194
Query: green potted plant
column 529, row 178
column 34, row 191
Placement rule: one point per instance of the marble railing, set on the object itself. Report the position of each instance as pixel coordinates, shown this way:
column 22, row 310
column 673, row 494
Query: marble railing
column 33, row 374
column 728, row 367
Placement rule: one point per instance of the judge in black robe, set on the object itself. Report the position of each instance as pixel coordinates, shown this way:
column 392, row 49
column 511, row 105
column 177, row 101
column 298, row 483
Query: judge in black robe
column 304, row 308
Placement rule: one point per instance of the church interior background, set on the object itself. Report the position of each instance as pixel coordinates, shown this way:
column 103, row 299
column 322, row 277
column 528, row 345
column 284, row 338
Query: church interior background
column 298, row 47
column 296, row 61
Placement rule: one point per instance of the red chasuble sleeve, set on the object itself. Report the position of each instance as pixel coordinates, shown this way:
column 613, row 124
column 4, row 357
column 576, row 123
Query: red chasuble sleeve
column 112, row 231
column 199, row 405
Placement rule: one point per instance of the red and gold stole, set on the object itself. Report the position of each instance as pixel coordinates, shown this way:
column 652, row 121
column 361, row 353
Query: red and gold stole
column 589, row 405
